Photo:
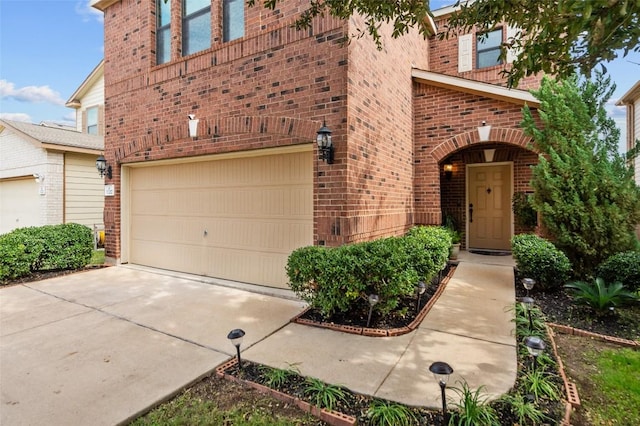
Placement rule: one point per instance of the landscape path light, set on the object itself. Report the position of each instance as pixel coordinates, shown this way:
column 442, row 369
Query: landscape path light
column 420, row 289
column 528, row 284
column 235, row 336
column 373, row 299
column 535, row 346
column 527, row 303
column 441, row 371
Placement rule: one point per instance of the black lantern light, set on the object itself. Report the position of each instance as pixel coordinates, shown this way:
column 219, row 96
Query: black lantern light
column 325, row 145
column 103, row 168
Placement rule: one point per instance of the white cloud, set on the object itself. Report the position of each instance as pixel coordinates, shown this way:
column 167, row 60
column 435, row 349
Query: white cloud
column 16, row 116
column 89, row 13
column 32, row 94
column 614, row 110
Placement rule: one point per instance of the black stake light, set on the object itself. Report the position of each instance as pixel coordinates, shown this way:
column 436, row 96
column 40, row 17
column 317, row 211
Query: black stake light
column 441, row 371
column 236, row 336
column 373, row 299
column 535, row 346
column 420, row 289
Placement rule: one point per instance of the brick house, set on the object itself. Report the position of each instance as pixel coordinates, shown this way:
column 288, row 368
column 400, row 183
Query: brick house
column 235, row 200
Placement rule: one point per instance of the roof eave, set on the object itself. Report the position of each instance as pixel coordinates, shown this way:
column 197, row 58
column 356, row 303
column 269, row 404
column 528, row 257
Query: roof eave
column 514, row 96
column 102, row 4
column 630, row 96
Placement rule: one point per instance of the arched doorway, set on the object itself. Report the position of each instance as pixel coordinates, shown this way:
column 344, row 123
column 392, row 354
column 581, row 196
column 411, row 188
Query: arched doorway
column 476, row 194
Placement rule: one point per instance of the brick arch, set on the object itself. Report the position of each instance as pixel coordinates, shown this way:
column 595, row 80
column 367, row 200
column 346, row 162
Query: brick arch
column 213, row 127
column 506, row 135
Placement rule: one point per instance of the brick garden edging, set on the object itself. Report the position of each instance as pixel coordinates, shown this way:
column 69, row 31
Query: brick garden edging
column 378, row 332
column 334, row 418
column 573, row 400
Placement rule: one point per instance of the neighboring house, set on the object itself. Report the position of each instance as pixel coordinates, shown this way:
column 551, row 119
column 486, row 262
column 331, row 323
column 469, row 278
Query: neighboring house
column 88, row 101
column 48, row 176
column 235, row 200
column 631, row 100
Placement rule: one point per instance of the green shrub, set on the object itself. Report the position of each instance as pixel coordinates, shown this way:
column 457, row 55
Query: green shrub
column 386, row 413
column 26, row 250
column 539, row 259
column 18, row 255
column 428, row 247
column 599, row 296
column 622, row 267
column 338, row 279
column 473, row 408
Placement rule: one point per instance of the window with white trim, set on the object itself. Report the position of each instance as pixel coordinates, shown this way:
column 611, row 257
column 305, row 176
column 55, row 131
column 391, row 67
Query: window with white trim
column 92, row 120
column 232, row 19
column 196, row 26
column 488, row 49
column 163, row 31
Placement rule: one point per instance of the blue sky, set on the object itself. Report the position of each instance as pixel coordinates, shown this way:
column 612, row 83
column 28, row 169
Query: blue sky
column 48, row 48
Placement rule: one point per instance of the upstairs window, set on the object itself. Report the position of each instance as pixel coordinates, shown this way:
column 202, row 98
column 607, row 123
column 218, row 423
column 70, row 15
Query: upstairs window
column 92, row 120
column 196, row 26
column 232, row 19
column 488, row 49
column 163, row 31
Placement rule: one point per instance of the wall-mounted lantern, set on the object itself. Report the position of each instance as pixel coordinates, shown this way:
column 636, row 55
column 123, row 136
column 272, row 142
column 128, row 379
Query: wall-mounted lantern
column 103, row 168
column 325, row 145
column 448, row 171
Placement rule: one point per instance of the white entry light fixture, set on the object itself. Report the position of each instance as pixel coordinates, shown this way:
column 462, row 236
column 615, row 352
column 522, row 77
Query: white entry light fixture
column 488, row 155
column 484, row 131
column 38, row 177
column 193, row 126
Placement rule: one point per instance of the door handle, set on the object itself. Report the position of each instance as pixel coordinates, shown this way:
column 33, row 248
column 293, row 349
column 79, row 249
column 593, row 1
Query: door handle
column 470, row 212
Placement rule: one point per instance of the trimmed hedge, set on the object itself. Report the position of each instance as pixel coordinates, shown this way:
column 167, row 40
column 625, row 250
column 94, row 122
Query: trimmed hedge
column 49, row 247
column 337, row 279
column 539, row 259
column 622, row 267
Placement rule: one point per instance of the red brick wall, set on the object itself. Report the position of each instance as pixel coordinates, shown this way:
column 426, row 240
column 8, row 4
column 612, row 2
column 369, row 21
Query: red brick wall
column 446, row 123
column 379, row 173
column 272, row 87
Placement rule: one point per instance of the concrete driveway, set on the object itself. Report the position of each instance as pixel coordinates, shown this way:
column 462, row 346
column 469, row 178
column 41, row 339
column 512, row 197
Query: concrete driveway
column 101, row 346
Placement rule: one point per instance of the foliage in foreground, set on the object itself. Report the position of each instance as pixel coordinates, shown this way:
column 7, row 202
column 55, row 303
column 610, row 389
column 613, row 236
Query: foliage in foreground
column 556, row 39
column 584, row 188
column 387, row 413
column 539, row 259
column 472, row 408
column 187, row 409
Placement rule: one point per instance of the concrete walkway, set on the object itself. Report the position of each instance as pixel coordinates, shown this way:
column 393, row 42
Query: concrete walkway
column 100, row 347
column 470, row 327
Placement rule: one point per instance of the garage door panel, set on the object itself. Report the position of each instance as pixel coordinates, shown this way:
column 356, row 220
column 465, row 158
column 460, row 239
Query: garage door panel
column 255, row 211
column 175, row 257
column 19, row 204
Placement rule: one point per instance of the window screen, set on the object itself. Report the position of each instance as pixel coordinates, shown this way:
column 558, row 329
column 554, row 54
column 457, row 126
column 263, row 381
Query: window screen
column 233, row 19
column 488, row 49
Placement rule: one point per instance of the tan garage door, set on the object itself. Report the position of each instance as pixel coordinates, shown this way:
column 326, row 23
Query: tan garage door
column 19, row 204
column 237, row 219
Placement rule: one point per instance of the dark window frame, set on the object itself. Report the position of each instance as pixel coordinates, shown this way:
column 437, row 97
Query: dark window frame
column 229, row 32
column 489, row 50
column 186, row 20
